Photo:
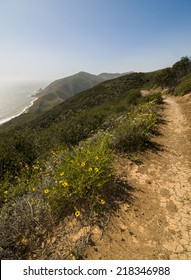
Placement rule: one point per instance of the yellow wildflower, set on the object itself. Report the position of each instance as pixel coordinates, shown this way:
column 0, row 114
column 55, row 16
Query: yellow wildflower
column 83, row 164
column 13, row 204
column 96, row 158
column 96, row 169
column 65, row 184
column 46, row 191
column 102, row 201
column 90, row 169
column 33, row 189
column 62, row 173
column 77, row 213
column 5, row 192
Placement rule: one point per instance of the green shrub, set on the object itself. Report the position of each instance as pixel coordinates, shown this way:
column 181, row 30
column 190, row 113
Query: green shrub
column 183, row 88
column 134, row 131
column 156, row 97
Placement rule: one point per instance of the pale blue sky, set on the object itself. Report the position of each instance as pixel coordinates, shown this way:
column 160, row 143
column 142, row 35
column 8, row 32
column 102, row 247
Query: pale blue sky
column 50, row 39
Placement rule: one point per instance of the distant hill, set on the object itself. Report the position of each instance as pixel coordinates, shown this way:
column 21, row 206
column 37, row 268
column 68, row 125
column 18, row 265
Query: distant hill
column 109, row 76
column 62, row 89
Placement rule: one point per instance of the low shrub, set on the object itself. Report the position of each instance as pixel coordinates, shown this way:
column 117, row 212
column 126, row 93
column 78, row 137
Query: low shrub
column 134, row 131
column 24, row 223
column 183, row 88
column 156, row 97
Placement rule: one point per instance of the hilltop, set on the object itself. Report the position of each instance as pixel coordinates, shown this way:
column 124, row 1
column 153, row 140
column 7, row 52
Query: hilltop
column 69, row 168
column 64, row 88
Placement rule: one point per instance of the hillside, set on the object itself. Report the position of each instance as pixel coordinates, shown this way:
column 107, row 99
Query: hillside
column 62, row 89
column 67, row 164
column 78, row 116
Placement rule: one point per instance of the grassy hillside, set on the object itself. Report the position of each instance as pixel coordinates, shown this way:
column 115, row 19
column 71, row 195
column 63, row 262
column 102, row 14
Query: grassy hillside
column 62, row 89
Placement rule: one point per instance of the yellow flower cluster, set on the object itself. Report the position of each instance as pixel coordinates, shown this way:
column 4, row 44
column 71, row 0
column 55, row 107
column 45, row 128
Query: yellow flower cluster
column 65, row 184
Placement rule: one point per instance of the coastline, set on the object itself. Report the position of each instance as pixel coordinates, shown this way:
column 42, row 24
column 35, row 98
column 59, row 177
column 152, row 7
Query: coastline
column 25, row 110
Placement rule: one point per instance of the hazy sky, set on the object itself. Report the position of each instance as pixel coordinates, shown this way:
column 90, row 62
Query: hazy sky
column 55, row 38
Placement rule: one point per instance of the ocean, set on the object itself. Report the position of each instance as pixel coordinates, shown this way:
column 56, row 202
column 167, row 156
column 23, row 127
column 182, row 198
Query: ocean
column 16, row 96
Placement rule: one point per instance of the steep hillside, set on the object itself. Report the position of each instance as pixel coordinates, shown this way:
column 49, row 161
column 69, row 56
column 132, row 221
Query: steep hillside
column 82, row 114
column 62, row 89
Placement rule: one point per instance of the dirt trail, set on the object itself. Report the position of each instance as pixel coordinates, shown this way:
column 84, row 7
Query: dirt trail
column 158, row 223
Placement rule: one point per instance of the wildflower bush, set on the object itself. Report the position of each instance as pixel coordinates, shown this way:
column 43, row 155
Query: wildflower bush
column 75, row 179
column 133, row 132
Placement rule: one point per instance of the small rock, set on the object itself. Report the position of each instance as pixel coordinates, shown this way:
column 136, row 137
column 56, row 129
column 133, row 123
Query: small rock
column 96, row 234
column 179, row 249
column 122, row 227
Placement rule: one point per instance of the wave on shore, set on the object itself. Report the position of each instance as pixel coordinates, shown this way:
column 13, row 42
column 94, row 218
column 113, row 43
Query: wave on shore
column 25, row 110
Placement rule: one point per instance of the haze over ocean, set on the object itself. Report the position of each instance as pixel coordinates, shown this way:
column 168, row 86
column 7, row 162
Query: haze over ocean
column 15, row 96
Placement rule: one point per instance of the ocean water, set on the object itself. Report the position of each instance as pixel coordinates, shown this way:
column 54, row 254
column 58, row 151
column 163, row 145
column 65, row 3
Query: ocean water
column 15, row 96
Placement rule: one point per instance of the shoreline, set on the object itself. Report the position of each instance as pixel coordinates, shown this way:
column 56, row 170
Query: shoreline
column 25, row 110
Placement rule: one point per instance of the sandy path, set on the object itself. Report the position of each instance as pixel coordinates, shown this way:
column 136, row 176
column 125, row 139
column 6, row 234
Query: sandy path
column 158, row 223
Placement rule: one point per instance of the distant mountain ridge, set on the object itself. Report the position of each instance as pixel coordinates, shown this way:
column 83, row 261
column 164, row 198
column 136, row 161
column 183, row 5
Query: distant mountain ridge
column 109, row 76
column 62, row 89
